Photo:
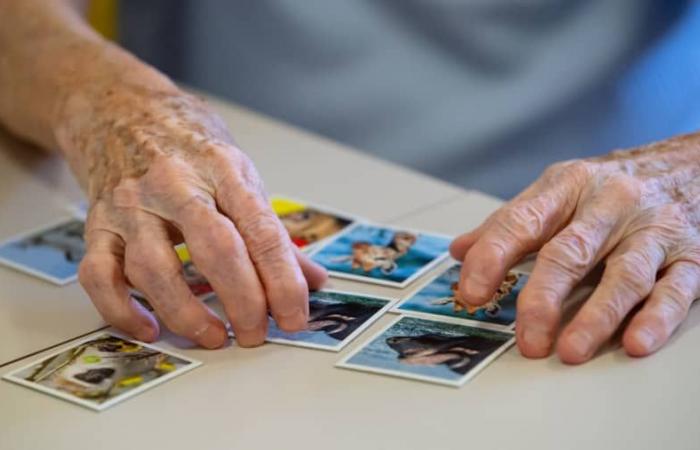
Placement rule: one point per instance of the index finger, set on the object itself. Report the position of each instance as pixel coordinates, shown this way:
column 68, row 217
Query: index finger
column 270, row 249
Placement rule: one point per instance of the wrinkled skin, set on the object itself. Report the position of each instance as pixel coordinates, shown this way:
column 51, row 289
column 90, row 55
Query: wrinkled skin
column 159, row 166
column 637, row 211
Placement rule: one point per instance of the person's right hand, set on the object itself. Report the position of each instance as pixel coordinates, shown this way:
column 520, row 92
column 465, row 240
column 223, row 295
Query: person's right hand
column 159, row 166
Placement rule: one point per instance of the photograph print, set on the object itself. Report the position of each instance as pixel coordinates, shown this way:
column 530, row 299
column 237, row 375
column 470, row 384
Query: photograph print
column 101, row 371
column 306, row 224
column 438, row 352
column 335, row 319
column 381, row 255
column 440, row 297
column 52, row 253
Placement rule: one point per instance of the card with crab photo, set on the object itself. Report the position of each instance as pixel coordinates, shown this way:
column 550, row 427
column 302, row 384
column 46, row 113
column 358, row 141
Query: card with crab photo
column 102, row 370
column 309, row 224
column 335, row 319
column 52, row 253
column 439, row 298
column 441, row 352
column 381, row 254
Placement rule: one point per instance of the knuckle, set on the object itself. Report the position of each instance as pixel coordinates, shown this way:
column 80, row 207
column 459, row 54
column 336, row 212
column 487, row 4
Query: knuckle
column 609, row 312
column 570, row 251
column 524, row 220
column 627, row 188
column 634, row 272
column 263, row 235
column 149, row 266
column 90, row 273
column 675, row 300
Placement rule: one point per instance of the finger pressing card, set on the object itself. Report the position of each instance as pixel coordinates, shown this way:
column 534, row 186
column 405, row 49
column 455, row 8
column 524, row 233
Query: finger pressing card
column 441, row 297
column 438, row 352
column 335, row 319
column 52, row 253
column 101, row 371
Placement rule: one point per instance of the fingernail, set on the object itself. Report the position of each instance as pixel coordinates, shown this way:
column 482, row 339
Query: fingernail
column 646, row 338
column 580, row 342
column 211, row 336
column 292, row 320
column 536, row 340
column 475, row 288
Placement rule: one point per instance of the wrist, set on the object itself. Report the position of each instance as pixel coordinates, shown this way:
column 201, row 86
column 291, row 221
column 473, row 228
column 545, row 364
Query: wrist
column 114, row 86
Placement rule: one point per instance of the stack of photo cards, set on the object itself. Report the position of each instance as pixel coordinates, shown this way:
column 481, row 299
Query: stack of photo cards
column 438, row 340
column 433, row 338
column 102, row 370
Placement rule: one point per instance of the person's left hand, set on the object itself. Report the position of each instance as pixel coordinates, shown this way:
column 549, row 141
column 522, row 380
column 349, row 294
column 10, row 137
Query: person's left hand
column 636, row 210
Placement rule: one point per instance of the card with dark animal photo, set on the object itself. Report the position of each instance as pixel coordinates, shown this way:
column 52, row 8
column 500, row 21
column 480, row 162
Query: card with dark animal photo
column 439, row 298
column 335, row 319
column 52, row 253
column 101, row 371
column 446, row 353
column 309, row 224
column 381, row 254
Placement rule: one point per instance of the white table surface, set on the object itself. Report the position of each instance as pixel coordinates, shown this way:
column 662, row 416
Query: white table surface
column 283, row 397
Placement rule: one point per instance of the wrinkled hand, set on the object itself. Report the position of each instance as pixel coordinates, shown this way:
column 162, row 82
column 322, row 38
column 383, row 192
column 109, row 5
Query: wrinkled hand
column 637, row 210
column 160, row 167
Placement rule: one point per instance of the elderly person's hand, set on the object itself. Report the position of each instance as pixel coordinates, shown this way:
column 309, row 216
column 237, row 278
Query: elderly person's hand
column 637, row 211
column 162, row 167
column 159, row 167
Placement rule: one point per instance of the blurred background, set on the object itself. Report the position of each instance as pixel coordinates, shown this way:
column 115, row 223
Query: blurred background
column 481, row 93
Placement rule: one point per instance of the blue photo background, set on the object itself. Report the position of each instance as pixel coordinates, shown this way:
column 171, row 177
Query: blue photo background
column 56, row 252
column 441, row 288
column 332, row 311
column 336, row 256
column 380, row 355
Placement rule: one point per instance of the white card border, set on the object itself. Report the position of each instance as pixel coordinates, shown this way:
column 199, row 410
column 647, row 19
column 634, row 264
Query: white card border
column 396, row 309
column 344, row 364
column 27, row 270
column 365, row 279
column 11, row 376
column 354, row 335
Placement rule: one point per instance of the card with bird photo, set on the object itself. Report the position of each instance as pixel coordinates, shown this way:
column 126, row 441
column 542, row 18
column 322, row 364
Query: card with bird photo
column 381, row 254
column 101, row 370
column 52, row 253
column 440, row 297
column 335, row 319
column 439, row 352
column 309, row 224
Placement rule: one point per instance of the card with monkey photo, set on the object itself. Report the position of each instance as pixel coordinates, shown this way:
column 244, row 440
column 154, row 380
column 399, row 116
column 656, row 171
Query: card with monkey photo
column 381, row 254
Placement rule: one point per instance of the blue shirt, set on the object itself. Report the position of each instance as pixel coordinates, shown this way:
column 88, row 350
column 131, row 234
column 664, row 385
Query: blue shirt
column 483, row 93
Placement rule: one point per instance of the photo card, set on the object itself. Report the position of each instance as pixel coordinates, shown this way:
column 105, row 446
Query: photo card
column 309, row 224
column 381, row 254
column 102, row 370
column 441, row 352
column 335, row 319
column 52, row 253
column 439, row 298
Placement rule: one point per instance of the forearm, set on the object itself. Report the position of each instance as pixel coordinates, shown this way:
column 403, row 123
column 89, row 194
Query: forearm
column 53, row 67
